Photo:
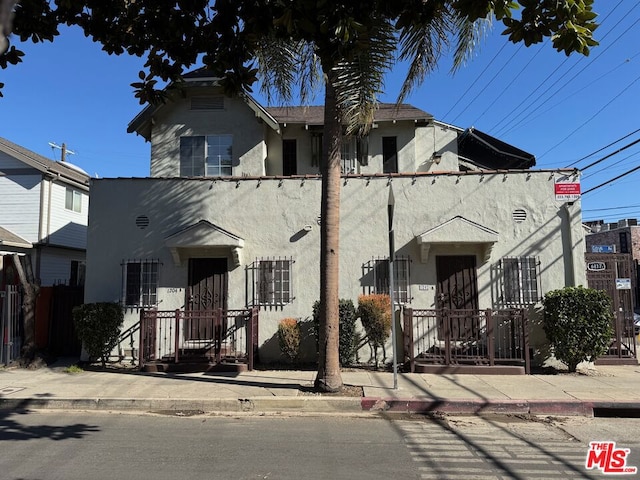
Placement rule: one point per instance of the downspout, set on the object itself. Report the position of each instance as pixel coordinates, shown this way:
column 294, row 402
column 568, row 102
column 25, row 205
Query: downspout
column 570, row 260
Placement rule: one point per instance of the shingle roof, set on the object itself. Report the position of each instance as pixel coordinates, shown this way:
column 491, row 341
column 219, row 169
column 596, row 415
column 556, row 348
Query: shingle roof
column 9, row 238
column 65, row 172
column 314, row 115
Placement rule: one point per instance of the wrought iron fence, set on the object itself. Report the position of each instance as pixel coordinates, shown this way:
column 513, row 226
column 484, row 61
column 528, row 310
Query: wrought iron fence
column 10, row 308
column 466, row 337
column 216, row 336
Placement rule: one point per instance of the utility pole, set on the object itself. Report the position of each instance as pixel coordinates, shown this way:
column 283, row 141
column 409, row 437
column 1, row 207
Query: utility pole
column 63, row 150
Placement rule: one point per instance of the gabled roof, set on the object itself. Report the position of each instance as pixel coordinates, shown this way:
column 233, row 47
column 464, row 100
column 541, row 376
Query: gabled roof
column 142, row 122
column 314, row 115
column 63, row 171
column 490, row 153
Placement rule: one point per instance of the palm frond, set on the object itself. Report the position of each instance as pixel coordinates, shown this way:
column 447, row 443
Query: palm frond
column 310, row 72
column 469, row 35
column 360, row 78
column 277, row 63
column 422, row 45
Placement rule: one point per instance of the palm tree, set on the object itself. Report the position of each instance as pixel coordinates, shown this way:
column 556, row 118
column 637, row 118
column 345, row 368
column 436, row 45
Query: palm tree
column 354, row 75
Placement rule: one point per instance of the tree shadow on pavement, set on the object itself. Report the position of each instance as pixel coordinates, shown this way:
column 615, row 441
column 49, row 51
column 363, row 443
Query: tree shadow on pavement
column 11, row 429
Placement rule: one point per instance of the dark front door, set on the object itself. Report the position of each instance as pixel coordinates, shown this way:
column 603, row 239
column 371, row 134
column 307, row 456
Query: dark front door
column 457, row 289
column 207, row 292
column 289, row 157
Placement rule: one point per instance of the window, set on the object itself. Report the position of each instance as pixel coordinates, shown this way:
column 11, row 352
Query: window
column 389, row 155
column 348, row 155
column 518, row 281
column 141, row 283
column 273, row 282
column 73, row 200
column 378, row 272
column 316, row 148
column 209, row 156
column 624, row 244
column 77, row 274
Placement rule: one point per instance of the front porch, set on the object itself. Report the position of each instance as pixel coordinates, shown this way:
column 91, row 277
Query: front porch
column 466, row 341
column 198, row 340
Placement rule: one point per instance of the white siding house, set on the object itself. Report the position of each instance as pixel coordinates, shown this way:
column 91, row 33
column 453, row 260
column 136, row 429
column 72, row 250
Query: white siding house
column 234, row 194
column 44, row 209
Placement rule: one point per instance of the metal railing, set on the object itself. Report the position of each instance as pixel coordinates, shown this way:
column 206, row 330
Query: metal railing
column 466, row 337
column 10, row 339
column 215, row 336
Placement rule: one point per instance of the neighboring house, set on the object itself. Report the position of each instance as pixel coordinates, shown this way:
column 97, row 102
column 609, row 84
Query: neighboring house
column 44, row 208
column 617, row 237
column 230, row 216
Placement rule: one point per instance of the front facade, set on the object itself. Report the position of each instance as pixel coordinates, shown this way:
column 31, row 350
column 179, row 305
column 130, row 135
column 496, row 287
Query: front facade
column 44, row 209
column 229, row 217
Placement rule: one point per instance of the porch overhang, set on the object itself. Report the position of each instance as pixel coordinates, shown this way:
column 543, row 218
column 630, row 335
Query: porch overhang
column 457, row 231
column 203, row 237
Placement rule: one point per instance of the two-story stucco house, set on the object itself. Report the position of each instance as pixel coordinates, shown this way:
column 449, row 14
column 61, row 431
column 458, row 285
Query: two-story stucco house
column 44, row 208
column 229, row 218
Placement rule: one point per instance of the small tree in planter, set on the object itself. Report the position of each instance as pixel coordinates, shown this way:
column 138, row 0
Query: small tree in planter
column 578, row 324
column 348, row 340
column 289, row 338
column 375, row 314
column 98, row 326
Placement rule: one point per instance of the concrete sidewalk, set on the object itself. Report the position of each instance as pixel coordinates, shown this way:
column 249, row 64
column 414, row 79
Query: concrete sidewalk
column 278, row 391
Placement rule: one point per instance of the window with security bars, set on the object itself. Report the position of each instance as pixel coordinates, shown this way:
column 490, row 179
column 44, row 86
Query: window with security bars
column 272, row 282
column 377, row 273
column 519, row 280
column 140, row 285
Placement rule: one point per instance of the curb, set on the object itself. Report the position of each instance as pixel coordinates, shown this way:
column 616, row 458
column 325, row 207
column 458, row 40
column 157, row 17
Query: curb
column 335, row 405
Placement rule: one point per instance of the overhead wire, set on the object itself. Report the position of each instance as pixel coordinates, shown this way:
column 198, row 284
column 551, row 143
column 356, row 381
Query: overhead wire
column 628, row 172
column 477, row 78
column 603, row 148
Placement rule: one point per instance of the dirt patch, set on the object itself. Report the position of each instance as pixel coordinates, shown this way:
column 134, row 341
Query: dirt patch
column 345, row 391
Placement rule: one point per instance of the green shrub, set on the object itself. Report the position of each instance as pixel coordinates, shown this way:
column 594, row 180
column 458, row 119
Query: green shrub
column 578, row 324
column 98, row 326
column 347, row 335
column 375, row 314
column 289, row 337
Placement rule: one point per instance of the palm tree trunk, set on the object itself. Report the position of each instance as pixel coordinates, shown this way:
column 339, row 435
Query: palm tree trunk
column 329, row 378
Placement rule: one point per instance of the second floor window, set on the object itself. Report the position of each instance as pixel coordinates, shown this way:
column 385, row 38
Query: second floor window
column 209, row 156
column 73, row 200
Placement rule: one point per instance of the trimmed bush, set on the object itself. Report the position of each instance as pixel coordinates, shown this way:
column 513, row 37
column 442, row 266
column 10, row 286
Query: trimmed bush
column 98, row 326
column 289, row 337
column 375, row 314
column 347, row 335
column 578, row 324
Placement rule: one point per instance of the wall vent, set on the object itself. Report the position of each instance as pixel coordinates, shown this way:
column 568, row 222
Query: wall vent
column 207, row 103
column 519, row 215
column 142, row 222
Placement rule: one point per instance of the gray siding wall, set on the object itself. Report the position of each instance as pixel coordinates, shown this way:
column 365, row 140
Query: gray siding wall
column 19, row 198
column 67, row 227
column 271, row 215
column 55, row 266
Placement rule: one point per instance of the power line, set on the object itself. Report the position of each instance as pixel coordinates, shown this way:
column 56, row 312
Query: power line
column 610, row 208
column 603, row 148
column 590, row 118
column 489, row 83
column 628, row 172
column 609, row 167
column 479, row 77
column 628, row 145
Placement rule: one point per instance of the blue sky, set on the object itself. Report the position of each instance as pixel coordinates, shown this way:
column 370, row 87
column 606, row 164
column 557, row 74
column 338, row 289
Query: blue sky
column 558, row 108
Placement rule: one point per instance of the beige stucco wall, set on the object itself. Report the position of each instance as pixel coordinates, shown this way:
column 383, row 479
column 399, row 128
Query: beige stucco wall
column 270, row 215
column 176, row 119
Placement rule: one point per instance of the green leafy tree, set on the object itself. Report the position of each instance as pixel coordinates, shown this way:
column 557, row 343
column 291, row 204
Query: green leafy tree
column 98, row 326
column 352, row 42
column 578, row 324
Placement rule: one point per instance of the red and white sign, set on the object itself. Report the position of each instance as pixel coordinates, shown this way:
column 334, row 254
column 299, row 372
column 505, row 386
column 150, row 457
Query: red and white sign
column 608, row 459
column 567, row 190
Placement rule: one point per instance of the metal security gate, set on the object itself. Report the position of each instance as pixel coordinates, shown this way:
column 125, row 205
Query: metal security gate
column 615, row 274
column 10, row 308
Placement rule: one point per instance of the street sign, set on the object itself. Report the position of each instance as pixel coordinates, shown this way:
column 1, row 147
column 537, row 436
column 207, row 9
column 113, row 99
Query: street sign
column 603, row 249
column 623, row 284
column 596, row 266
